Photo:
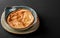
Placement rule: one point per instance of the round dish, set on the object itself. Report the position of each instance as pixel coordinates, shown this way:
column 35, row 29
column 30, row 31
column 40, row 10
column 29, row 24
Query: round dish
column 11, row 30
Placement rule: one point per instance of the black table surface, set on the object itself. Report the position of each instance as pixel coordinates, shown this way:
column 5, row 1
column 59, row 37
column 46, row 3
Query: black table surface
column 48, row 12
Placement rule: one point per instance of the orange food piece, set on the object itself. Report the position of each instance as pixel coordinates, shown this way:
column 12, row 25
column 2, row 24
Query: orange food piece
column 20, row 18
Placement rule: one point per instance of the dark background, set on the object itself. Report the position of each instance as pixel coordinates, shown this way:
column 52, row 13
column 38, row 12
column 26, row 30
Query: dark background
column 48, row 12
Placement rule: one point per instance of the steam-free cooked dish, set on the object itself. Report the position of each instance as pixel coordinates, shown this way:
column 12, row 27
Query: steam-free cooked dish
column 20, row 18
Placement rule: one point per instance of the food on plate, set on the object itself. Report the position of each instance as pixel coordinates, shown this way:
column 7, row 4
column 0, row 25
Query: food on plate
column 20, row 18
